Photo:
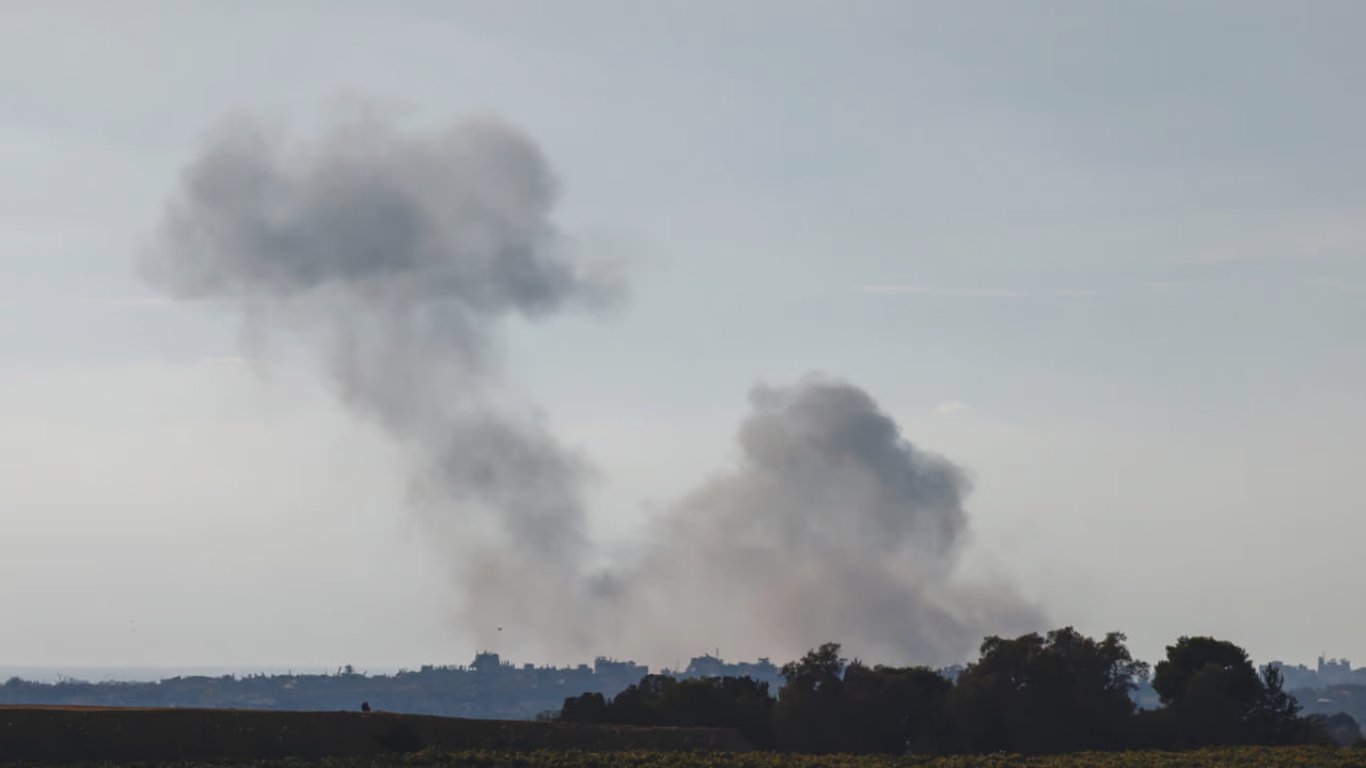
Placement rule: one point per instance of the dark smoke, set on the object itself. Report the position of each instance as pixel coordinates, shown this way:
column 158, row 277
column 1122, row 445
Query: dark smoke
column 832, row 526
column 403, row 253
column 400, row 255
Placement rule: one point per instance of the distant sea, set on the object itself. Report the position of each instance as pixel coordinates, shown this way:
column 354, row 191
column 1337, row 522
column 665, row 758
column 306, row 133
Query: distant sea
column 148, row 674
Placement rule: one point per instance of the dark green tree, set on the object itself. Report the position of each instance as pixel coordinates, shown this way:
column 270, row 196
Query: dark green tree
column 731, row 702
column 1192, row 656
column 1057, row 693
column 807, row 716
column 724, row 702
column 893, row 710
column 1213, row 695
column 1275, row 716
column 585, row 708
column 648, row 702
column 1340, row 730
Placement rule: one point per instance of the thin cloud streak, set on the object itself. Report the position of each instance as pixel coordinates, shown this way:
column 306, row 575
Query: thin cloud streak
column 952, row 408
column 132, row 302
column 1156, row 286
column 1340, row 286
column 920, row 290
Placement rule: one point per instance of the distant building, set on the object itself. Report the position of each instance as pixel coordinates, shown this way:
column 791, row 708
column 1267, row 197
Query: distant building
column 1335, row 672
column 1325, row 673
column 706, row 665
column 603, row 665
column 1295, row 677
column 486, row 662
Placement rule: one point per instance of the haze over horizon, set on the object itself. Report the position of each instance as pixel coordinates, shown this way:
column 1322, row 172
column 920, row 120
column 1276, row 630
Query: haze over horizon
column 984, row 319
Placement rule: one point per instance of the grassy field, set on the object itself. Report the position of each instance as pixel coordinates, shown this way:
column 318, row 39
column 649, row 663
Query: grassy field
column 191, row 738
column 1242, row 757
column 33, row 735
column 1222, row 758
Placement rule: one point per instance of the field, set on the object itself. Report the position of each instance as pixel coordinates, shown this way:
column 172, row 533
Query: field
column 1250, row 757
column 33, row 736
column 1283, row 757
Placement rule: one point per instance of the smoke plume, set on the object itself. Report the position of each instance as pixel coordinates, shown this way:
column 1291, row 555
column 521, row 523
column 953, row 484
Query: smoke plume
column 831, row 527
column 398, row 256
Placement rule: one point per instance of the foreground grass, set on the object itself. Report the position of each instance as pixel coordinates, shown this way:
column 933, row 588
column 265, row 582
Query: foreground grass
column 1238, row 757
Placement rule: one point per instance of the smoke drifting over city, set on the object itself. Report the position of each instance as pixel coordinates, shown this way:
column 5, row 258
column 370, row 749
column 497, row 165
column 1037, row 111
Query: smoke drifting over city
column 399, row 255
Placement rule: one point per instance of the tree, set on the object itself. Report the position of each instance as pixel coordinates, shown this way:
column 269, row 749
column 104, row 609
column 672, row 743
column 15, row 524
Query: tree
column 893, row 710
column 646, row 702
column 732, row 702
column 585, row 708
column 724, row 702
column 1190, row 656
column 806, row 718
column 1213, row 695
column 1275, row 715
column 1340, row 730
column 1057, row 693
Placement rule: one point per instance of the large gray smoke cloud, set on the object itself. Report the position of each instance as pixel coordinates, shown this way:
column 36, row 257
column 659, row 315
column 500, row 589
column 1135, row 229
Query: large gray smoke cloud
column 403, row 254
column 831, row 527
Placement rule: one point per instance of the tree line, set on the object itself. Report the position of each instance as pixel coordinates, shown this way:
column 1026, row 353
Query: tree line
column 1053, row 693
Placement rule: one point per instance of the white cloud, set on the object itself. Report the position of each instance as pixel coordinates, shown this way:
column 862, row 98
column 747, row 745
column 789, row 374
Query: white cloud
column 132, row 302
column 977, row 293
column 920, row 290
column 228, row 360
column 1340, row 286
column 952, row 408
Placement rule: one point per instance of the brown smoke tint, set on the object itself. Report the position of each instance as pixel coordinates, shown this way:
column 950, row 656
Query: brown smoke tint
column 831, row 527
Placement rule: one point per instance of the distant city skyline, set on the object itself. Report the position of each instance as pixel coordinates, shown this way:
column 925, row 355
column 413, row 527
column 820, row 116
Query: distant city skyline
column 48, row 674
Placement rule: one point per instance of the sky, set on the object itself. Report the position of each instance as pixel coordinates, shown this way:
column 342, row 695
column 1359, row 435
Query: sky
column 1108, row 258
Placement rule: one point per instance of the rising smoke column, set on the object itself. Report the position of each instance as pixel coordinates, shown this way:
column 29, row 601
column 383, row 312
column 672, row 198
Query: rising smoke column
column 398, row 255
column 831, row 527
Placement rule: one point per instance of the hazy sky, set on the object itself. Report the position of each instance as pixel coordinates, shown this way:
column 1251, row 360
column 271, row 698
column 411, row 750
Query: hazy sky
column 1109, row 257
